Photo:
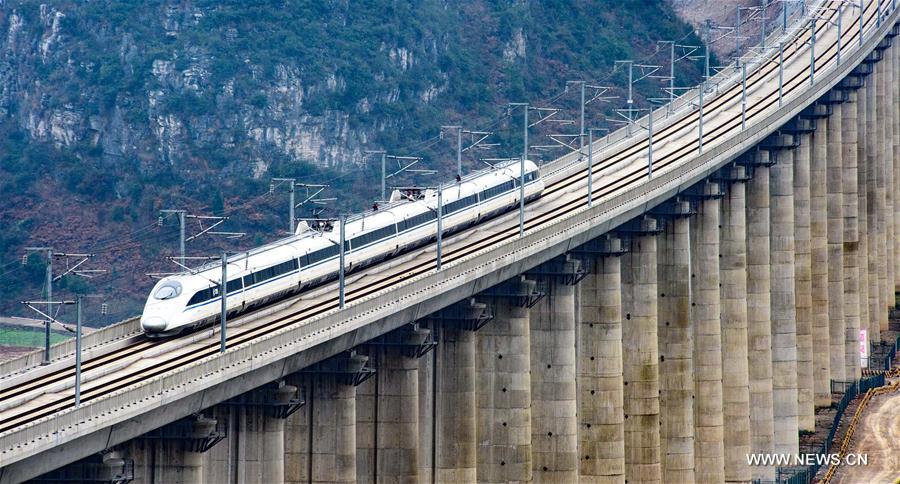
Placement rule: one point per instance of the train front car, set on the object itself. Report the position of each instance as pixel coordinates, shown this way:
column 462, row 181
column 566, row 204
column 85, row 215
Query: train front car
column 162, row 314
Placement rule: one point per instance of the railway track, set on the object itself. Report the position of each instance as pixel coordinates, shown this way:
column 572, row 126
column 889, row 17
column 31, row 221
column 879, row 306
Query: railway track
column 629, row 156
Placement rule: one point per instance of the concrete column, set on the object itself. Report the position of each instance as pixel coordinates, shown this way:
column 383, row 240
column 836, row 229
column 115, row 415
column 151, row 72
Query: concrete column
column 759, row 330
column 641, row 357
column 735, row 368
column 895, row 103
column 874, row 255
column 601, row 439
column 784, row 314
column 862, row 209
column 890, row 77
column 709, row 447
column 554, row 407
column 819, row 263
column 174, row 453
column 850, row 196
column 503, row 388
column 320, row 440
column 167, row 460
column 806, row 420
column 387, row 412
column 882, row 158
column 455, row 435
column 254, row 447
column 676, row 351
column 835, row 238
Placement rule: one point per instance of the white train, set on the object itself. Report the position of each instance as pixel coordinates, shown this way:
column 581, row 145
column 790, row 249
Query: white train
column 311, row 257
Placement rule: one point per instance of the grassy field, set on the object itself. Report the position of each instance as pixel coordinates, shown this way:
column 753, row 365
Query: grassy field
column 33, row 337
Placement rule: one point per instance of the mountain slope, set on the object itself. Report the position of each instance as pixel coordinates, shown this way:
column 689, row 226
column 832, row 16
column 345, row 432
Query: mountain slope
column 111, row 110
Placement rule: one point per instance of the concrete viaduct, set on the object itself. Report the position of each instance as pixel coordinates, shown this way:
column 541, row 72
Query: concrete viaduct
column 658, row 329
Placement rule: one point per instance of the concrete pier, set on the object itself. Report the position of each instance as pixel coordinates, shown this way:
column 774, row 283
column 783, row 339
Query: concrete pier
column 735, row 362
column 819, row 261
column 784, row 327
column 890, row 77
column 850, row 197
column 320, row 438
column 871, row 134
column 676, row 344
column 503, row 385
column 709, row 448
column 641, row 355
column 885, row 295
column 254, row 447
column 803, row 276
column 759, row 330
column 895, row 103
column 554, row 434
column 835, row 238
column 387, row 412
column 862, row 209
column 451, row 453
column 601, row 431
column 174, row 453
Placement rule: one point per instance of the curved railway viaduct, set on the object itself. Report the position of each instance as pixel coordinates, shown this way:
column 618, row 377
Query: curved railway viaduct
column 659, row 328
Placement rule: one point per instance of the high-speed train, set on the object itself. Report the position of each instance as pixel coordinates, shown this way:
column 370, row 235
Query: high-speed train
column 310, row 257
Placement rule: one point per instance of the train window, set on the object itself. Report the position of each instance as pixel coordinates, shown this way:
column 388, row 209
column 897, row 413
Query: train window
column 234, row 285
column 204, row 295
column 374, row 235
column 168, row 290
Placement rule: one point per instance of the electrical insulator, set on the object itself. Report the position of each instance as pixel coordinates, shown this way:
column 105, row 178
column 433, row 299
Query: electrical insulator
column 159, row 221
column 271, row 187
column 25, row 260
column 104, row 309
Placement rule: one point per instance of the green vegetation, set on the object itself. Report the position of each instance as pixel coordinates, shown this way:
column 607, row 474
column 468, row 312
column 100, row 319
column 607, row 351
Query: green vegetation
column 28, row 337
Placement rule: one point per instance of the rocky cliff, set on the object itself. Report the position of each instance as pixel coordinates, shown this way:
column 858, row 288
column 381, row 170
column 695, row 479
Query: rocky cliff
column 111, row 109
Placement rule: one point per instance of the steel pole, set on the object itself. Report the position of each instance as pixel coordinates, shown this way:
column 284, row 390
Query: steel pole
column 838, row 55
column 78, row 352
column 812, row 51
column 383, row 175
column 765, row 17
column 223, row 290
column 707, row 27
column 650, row 146
column 522, row 175
column 700, row 123
column 581, row 125
column 743, row 96
column 590, row 173
column 181, row 237
column 459, row 151
column 780, row 72
column 341, row 274
column 861, row 10
column 737, row 39
column 440, row 224
column 291, row 211
column 630, row 93
column 784, row 15
column 49, row 306
column 671, row 78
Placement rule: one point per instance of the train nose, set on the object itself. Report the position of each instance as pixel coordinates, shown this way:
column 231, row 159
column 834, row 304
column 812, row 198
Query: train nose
column 154, row 324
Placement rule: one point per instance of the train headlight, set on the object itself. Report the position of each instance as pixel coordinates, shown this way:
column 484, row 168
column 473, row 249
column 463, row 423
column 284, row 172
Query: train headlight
column 154, row 324
column 168, row 290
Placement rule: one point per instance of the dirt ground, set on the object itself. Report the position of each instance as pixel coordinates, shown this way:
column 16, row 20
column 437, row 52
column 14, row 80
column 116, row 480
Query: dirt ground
column 877, row 436
column 10, row 352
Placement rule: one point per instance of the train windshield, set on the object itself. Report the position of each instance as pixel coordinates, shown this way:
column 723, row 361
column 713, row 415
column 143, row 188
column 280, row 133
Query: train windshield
column 168, row 290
